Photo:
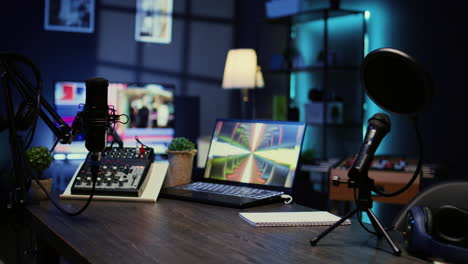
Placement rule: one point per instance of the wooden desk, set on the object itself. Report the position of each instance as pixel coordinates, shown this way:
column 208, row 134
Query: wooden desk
column 172, row 231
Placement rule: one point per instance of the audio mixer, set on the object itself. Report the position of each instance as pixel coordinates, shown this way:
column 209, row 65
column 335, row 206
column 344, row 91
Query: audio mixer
column 121, row 172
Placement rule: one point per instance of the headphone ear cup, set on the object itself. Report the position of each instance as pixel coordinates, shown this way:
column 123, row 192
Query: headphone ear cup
column 429, row 223
column 450, row 225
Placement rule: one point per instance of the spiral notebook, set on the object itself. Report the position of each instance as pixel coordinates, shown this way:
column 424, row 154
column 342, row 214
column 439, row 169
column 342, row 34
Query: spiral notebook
column 315, row 218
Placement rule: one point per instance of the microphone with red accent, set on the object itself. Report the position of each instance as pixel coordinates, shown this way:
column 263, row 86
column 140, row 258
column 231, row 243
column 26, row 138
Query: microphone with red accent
column 96, row 116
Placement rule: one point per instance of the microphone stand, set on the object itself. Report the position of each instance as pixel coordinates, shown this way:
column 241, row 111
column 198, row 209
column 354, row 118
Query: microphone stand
column 11, row 74
column 364, row 204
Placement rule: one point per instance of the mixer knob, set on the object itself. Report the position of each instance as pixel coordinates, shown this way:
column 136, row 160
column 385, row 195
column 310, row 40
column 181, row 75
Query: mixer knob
column 121, row 182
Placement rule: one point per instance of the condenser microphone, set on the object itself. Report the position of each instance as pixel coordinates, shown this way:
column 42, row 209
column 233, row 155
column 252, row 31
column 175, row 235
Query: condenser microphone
column 96, row 116
column 378, row 126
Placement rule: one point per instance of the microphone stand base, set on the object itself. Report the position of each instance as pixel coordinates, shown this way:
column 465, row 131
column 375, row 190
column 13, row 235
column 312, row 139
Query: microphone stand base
column 375, row 223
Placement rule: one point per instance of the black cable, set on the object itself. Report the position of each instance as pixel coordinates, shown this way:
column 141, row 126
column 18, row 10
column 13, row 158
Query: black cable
column 20, row 80
column 94, row 172
column 14, row 144
column 55, row 144
column 416, row 172
column 359, row 213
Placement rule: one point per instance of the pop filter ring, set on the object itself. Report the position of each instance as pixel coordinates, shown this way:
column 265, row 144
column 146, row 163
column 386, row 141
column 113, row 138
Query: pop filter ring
column 396, row 82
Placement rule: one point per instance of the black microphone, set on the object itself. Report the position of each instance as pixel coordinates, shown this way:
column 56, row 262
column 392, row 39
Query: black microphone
column 96, row 116
column 378, row 126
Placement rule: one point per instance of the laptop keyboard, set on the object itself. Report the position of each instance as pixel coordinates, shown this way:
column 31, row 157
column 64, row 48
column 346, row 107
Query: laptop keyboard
column 230, row 190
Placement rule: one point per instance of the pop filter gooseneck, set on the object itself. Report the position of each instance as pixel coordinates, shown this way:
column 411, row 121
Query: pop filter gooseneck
column 396, row 82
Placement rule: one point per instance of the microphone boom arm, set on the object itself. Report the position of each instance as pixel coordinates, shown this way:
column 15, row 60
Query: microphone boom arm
column 26, row 90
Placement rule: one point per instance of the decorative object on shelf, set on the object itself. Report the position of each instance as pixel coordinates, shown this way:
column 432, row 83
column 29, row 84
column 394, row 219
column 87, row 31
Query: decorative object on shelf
column 276, row 62
column 335, row 4
column 315, row 95
column 292, row 58
column 181, row 153
column 39, row 159
column 279, row 108
column 242, row 72
column 329, row 58
column 279, row 8
column 308, row 156
column 293, row 111
column 314, row 109
column 314, row 112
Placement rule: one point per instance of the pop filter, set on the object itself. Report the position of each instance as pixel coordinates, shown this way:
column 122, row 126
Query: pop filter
column 395, row 81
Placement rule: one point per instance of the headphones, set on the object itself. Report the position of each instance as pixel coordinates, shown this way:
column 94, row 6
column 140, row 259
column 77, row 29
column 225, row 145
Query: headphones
column 26, row 112
column 437, row 233
column 24, row 117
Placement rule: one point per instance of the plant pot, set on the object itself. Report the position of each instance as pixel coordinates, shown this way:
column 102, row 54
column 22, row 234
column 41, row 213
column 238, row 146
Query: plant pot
column 180, row 168
column 36, row 192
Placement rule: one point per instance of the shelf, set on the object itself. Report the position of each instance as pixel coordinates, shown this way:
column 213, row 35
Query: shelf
column 333, row 76
column 322, row 166
column 344, row 125
column 315, row 69
column 311, row 15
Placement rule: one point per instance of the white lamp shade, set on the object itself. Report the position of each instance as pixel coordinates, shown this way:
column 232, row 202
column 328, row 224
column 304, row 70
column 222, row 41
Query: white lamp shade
column 259, row 83
column 240, row 71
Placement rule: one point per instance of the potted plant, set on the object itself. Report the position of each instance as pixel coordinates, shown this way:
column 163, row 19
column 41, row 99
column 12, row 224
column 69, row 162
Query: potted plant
column 181, row 152
column 39, row 159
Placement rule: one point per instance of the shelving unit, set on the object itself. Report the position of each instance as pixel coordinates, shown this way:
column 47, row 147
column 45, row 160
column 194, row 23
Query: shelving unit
column 339, row 36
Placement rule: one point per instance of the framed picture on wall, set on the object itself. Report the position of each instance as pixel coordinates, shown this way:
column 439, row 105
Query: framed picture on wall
column 154, row 21
column 69, row 15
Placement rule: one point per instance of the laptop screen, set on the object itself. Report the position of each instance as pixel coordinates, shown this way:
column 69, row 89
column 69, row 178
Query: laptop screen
column 255, row 152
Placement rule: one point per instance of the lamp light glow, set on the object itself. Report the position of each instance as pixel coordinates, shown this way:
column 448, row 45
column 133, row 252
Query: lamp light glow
column 240, row 71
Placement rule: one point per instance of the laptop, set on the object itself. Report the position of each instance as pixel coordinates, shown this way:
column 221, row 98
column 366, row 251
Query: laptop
column 249, row 162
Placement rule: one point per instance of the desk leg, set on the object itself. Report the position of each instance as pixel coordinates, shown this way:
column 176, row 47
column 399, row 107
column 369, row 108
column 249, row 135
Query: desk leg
column 46, row 253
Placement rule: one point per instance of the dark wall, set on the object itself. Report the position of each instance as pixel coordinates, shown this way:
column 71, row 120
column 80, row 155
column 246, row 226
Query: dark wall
column 203, row 32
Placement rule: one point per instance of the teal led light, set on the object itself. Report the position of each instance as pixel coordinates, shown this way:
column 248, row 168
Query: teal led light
column 366, row 44
column 292, row 85
column 367, row 14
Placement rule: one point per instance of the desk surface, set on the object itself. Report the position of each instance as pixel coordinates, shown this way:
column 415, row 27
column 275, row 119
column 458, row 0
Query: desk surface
column 172, row 231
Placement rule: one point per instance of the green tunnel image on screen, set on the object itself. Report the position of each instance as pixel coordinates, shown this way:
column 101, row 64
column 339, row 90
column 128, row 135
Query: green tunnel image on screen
column 256, row 152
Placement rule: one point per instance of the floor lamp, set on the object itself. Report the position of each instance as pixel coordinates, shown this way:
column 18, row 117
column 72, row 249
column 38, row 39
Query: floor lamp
column 242, row 72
